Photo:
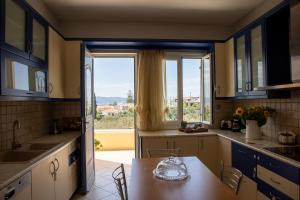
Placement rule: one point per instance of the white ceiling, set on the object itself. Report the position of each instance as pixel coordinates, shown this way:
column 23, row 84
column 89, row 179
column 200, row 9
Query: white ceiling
column 213, row 12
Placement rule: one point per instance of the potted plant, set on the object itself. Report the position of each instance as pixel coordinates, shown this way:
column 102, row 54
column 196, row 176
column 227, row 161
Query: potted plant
column 254, row 118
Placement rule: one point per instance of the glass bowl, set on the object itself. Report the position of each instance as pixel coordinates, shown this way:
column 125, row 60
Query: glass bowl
column 171, row 169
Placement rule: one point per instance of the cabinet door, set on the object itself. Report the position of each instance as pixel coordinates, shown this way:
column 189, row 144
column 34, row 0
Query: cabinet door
column 72, row 69
column 154, row 143
column 247, row 189
column 224, row 151
column 42, row 181
column 56, row 65
column 187, row 145
column 15, row 36
column 220, row 69
column 22, row 77
column 39, row 45
column 208, row 152
column 62, row 183
column 242, row 82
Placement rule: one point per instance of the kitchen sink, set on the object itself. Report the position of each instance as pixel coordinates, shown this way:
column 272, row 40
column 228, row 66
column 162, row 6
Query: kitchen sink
column 19, row 156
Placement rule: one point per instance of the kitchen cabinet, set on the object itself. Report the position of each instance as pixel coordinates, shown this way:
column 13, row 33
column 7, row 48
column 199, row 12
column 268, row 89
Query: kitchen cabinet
column 247, row 190
column 24, row 33
column 224, row 69
column 154, row 143
column 42, row 181
column 56, row 65
column 261, row 51
column 225, row 151
column 72, row 54
column 52, row 178
column 34, row 76
column 208, row 152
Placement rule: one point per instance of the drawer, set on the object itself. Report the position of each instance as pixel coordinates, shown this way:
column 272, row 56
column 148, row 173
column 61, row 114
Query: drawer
column 281, row 168
column 244, row 159
column 269, row 192
column 278, row 182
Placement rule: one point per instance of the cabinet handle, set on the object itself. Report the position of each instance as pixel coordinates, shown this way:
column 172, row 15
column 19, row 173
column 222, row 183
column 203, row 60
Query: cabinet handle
column 167, row 144
column 56, row 167
column 174, row 144
column 274, row 181
column 273, row 165
column 243, row 152
column 30, row 93
column 50, row 88
column 52, row 168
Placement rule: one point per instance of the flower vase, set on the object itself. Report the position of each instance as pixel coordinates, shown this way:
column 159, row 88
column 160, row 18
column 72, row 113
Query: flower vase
column 252, row 130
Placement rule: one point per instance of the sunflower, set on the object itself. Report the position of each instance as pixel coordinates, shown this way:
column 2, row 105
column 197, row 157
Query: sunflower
column 239, row 111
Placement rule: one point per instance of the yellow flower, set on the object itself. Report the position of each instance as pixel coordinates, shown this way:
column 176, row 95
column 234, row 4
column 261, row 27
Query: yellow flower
column 239, row 111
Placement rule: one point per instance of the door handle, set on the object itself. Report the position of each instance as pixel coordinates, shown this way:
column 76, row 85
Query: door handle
column 56, row 167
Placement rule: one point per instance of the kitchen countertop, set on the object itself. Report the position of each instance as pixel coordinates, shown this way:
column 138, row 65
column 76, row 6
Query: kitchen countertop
column 257, row 145
column 12, row 171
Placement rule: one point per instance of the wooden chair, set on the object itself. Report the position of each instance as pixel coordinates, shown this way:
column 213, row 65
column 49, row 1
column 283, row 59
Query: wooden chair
column 155, row 153
column 231, row 177
column 120, row 181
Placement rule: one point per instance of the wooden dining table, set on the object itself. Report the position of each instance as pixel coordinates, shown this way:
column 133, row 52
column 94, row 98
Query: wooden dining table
column 201, row 184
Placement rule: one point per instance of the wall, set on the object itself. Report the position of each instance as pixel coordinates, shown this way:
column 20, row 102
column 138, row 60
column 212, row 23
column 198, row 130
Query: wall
column 144, row 30
column 35, row 119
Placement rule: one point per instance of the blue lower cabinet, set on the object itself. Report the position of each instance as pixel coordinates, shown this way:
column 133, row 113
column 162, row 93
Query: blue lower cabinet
column 271, row 192
column 281, row 168
column 244, row 159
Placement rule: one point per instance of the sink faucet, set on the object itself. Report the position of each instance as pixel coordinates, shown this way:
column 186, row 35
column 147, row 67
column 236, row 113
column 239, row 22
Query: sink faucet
column 14, row 143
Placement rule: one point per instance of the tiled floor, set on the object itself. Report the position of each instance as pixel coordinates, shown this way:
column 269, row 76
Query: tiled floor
column 104, row 187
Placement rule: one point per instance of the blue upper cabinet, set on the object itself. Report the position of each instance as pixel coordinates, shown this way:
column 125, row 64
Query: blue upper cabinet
column 23, row 32
column 262, row 56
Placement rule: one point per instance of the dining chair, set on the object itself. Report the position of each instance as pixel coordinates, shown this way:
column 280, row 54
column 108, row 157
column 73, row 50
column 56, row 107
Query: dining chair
column 231, row 177
column 155, row 153
column 120, row 181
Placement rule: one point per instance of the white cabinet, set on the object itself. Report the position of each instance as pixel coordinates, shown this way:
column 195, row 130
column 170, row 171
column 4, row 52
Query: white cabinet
column 188, row 145
column 72, row 52
column 224, row 152
column 248, row 189
column 42, row 180
column 56, row 65
column 208, row 152
column 224, row 69
column 53, row 178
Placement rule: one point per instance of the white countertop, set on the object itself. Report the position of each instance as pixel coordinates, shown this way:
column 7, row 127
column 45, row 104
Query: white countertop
column 12, row 171
column 257, row 145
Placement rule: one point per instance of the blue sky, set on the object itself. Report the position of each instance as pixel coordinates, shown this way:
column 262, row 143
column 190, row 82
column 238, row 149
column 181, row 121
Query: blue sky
column 115, row 76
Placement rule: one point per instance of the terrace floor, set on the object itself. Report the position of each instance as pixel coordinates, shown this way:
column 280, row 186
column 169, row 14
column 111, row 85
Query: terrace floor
column 105, row 162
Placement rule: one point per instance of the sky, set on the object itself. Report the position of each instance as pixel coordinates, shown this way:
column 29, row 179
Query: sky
column 115, row 76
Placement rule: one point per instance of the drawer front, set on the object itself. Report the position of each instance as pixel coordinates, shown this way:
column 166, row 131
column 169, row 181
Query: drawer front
column 244, row 159
column 270, row 192
column 278, row 182
column 281, row 168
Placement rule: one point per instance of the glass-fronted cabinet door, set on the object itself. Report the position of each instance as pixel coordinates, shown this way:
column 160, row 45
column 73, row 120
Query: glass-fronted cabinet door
column 14, row 27
column 257, row 59
column 38, row 49
column 21, row 77
column 242, row 82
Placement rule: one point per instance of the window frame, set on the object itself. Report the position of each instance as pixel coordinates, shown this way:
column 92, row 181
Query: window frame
column 179, row 56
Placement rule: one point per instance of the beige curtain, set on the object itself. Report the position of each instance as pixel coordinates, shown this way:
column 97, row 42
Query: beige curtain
column 150, row 106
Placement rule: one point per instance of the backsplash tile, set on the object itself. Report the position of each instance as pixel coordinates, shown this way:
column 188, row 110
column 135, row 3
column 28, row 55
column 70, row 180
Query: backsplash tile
column 35, row 119
column 286, row 117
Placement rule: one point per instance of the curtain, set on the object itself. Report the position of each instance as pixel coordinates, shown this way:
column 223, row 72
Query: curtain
column 150, row 107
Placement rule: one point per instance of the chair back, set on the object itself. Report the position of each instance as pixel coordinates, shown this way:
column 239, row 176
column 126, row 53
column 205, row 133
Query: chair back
column 120, row 181
column 231, row 177
column 156, row 153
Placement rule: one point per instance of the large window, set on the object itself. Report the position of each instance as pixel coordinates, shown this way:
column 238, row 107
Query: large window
column 188, row 88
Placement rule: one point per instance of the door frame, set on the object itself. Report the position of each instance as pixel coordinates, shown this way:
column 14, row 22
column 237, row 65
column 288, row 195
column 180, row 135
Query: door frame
column 125, row 54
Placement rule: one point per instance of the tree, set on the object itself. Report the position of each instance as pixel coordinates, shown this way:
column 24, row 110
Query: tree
column 129, row 97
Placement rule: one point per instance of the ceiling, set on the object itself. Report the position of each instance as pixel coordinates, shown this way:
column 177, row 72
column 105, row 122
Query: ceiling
column 212, row 12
